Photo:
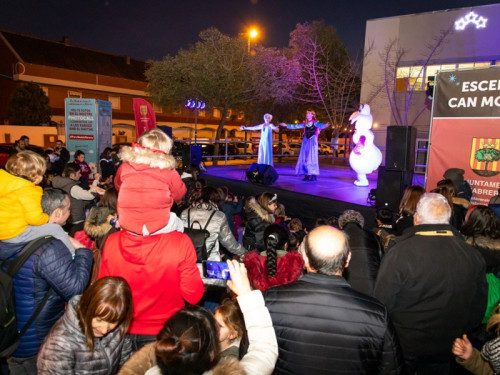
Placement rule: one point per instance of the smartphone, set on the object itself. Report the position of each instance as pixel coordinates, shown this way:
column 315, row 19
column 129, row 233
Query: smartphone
column 215, row 270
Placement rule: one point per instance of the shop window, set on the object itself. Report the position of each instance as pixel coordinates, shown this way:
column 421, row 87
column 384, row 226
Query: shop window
column 115, row 101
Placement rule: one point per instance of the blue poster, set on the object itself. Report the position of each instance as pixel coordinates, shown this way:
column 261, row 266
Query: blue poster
column 103, row 125
column 88, row 127
column 81, row 127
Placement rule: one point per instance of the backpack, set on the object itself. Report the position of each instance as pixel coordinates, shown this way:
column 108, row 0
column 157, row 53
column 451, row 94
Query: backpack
column 198, row 237
column 9, row 336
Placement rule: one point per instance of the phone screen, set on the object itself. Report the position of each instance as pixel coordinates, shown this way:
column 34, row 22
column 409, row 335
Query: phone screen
column 216, row 270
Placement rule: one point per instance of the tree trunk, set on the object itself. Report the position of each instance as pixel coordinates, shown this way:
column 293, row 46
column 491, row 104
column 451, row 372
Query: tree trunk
column 219, row 132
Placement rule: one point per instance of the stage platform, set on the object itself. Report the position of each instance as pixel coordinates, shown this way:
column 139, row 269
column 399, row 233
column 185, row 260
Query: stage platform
column 330, row 195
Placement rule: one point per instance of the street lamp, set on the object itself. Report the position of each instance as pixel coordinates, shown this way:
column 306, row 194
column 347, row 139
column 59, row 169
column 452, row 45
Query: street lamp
column 196, row 105
column 252, row 34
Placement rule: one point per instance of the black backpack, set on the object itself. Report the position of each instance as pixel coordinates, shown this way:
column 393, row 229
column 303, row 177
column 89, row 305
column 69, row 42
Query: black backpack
column 198, row 237
column 9, row 336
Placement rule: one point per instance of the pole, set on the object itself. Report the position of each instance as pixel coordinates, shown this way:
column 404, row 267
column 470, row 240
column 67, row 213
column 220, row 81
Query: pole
column 195, row 125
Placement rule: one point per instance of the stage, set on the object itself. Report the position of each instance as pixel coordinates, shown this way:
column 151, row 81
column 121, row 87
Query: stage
column 332, row 193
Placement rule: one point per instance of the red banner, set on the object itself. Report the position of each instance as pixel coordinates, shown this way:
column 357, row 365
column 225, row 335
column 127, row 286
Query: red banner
column 145, row 118
column 466, row 130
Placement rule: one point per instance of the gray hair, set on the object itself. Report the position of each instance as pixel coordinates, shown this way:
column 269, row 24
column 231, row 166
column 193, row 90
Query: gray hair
column 351, row 216
column 433, row 208
column 52, row 199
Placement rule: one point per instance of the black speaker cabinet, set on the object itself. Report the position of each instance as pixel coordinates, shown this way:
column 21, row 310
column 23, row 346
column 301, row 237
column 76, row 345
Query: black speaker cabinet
column 166, row 129
column 262, row 174
column 391, row 185
column 191, row 154
column 400, row 148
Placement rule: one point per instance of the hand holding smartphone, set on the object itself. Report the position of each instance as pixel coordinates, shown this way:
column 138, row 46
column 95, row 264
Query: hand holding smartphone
column 215, row 270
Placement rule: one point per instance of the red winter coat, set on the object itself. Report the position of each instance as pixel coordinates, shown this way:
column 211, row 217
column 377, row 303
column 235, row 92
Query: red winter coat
column 288, row 268
column 161, row 271
column 147, row 190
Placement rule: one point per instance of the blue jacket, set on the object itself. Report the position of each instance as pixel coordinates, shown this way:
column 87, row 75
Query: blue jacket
column 51, row 265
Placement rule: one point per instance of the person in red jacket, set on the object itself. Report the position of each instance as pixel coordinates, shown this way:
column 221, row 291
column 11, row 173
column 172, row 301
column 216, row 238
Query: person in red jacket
column 148, row 184
column 275, row 266
column 162, row 273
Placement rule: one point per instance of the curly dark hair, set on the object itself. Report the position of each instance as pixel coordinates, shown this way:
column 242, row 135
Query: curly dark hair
column 482, row 222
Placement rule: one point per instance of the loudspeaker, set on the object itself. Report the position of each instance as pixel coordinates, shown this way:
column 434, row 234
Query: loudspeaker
column 400, row 148
column 167, row 130
column 262, row 174
column 191, row 154
column 391, row 185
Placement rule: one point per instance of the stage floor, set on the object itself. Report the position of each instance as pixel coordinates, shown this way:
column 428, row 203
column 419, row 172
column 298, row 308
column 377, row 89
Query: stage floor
column 334, row 181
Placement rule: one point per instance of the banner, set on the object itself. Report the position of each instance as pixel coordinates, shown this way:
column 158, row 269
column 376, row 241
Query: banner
column 88, row 127
column 81, row 127
column 465, row 130
column 145, row 118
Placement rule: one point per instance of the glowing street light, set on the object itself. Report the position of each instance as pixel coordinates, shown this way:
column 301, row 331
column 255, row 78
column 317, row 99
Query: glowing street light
column 252, row 34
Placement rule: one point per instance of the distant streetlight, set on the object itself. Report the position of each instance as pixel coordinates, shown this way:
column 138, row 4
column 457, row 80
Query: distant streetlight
column 252, row 34
column 196, row 105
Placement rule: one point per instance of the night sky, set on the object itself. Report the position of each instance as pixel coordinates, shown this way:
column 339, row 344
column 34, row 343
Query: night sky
column 150, row 29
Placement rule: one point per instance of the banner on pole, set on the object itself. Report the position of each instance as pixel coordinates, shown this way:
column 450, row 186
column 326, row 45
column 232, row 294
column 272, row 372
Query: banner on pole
column 466, row 130
column 145, row 118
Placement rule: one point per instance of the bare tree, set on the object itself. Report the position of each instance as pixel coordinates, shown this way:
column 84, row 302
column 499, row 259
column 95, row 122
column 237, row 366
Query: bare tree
column 329, row 80
column 391, row 58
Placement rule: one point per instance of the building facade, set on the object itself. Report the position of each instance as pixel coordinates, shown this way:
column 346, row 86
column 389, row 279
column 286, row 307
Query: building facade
column 404, row 54
column 67, row 71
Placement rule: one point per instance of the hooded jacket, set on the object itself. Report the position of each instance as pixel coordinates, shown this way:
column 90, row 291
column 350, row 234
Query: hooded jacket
column 161, row 271
column 51, row 266
column 148, row 184
column 490, row 250
column 258, row 219
column 434, row 286
column 20, row 205
column 289, row 267
column 110, row 351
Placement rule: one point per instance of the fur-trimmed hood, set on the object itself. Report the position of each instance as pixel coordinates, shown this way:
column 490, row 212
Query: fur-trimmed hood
column 484, row 242
column 155, row 159
column 253, row 206
column 97, row 224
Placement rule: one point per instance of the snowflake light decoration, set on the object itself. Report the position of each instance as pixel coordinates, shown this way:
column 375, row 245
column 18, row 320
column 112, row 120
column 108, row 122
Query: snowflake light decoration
column 472, row 17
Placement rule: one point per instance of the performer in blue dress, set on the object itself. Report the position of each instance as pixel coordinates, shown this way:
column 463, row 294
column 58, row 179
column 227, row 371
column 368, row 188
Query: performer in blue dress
column 266, row 139
column 308, row 164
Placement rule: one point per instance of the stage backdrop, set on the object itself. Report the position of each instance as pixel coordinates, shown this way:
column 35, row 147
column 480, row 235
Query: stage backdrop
column 465, row 130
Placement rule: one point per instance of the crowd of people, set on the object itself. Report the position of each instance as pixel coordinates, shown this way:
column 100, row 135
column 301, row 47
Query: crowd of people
column 126, row 293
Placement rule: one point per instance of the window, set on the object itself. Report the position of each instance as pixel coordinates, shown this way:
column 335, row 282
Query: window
column 74, row 94
column 115, row 101
column 216, row 113
column 157, row 108
column 406, row 76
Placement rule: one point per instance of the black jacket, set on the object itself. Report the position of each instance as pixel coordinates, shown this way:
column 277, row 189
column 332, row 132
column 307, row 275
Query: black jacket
column 323, row 326
column 434, row 287
column 365, row 258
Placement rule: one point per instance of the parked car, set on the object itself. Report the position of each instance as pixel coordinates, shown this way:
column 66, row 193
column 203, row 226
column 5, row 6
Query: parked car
column 5, row 152
column 324, row 149
column 244, row 148
column 290, row 149
column 7, row 149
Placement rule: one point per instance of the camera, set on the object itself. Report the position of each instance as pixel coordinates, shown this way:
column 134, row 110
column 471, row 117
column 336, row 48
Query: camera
column 215, row 270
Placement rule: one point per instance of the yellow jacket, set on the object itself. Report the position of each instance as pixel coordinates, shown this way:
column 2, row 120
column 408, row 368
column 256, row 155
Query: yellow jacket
column 20, row 205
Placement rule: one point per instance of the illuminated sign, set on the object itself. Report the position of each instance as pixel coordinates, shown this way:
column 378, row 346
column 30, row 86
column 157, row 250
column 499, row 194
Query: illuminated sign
column 472, row 17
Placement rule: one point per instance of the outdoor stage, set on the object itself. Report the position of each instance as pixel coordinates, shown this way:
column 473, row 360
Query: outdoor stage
column 332, row 193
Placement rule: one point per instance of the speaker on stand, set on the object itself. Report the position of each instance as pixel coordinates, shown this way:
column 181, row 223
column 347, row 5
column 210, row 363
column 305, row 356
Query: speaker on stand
column 399, row 164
